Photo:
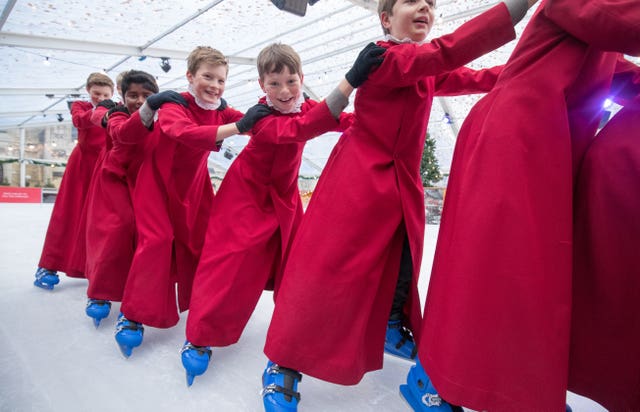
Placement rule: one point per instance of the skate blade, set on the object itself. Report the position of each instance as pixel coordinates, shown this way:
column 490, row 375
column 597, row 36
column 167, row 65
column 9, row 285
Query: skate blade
column 408, row 397
column 397, row 356
column 125, row 350
column 44, row 286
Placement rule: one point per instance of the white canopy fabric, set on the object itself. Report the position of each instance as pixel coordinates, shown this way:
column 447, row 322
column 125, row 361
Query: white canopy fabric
column 48, row 48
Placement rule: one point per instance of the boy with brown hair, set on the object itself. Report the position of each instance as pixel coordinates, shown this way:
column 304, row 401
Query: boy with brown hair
column 260, row 188
column 338, row 285
column 172, row 198
column 65, row 222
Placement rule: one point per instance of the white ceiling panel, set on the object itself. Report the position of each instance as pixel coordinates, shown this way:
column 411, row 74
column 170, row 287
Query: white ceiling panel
column 79, row 37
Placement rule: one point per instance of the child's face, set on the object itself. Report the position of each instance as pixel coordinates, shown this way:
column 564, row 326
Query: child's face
column 99, row 93
column 135, row 96
column 208, row 82
column 283, row 89
column 411, row 19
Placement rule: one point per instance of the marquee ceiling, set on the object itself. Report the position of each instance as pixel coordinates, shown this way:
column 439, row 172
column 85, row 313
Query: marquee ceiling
column 47, row 49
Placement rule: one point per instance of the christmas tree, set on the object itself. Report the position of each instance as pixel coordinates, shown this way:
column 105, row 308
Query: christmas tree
column 429, row 168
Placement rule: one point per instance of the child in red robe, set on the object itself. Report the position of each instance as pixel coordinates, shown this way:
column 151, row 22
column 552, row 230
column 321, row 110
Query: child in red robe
column 65, row 221
column 498, row 314
column 604, row 363
column 110, row 234
column 244, row 255
column 172, row 199
column 338, row 285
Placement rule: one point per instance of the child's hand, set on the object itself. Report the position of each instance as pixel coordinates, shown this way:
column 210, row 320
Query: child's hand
column 369, row 57
column 107, row 103
column 250, row 118
column 168, row 96
column 114, row 109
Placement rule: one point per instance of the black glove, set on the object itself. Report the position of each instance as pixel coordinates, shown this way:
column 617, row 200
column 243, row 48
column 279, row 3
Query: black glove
column 108, row 103
column 250, row 118
column 369, row 57
column 118, row 108
column 168, row 96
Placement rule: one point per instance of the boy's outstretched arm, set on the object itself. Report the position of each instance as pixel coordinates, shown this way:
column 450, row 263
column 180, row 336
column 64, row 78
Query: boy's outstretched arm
column 368, row 58
column 245, row 124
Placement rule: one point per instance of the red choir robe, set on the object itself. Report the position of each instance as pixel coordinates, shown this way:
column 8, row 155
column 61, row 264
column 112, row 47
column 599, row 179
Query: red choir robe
column 605, row 326
column 335, row 298
column 110, row 235
column 498, row 310
column 242, row 256
column 78, row 257
column 65, row 223
column 172, row 203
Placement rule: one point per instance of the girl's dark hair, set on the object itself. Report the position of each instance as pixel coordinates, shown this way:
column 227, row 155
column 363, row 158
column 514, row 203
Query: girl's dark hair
column 139, row 77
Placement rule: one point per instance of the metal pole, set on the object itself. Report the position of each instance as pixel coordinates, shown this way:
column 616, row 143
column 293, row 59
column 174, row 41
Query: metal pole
column 23, row 165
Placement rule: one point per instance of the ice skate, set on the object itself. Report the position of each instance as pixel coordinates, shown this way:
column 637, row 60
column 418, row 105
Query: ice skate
column 46, row 279
column 399, row 341
column 97, row 310
column 128, row 335
column 195, row 360
column 421, row 395
column 279, row 388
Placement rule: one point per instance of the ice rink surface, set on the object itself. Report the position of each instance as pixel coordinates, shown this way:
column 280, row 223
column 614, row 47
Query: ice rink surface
column 53, row 359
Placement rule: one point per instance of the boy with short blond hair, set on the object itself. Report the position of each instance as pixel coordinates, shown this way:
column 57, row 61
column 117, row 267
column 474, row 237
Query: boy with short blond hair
column 172, row 198
column 58, row 252
column 261, row 190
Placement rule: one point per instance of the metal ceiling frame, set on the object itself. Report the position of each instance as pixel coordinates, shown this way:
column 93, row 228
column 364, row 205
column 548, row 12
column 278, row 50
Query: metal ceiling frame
column 146, row 50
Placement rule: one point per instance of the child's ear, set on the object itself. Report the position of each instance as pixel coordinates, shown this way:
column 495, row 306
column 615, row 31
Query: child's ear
column 384, row 20
column 261, row 83
column 189, row 76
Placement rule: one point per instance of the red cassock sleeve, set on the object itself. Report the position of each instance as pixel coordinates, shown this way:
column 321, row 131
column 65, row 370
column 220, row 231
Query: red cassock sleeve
column 175, row 122
column 97, row 115
column 467, row 81
column 285, row 129
column 81, row 113
column 127, row 129
column 611, row 25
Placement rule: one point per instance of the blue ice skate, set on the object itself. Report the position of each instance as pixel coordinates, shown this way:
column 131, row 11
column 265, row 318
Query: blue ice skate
column 399, row 341
column 46, row 279
column 279, row 388
column 97, row 309
column 195, row 360
column 128, row 335
column 421, row 395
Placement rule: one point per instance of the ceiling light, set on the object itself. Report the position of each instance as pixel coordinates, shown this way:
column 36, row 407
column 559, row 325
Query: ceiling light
column 164, row 64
